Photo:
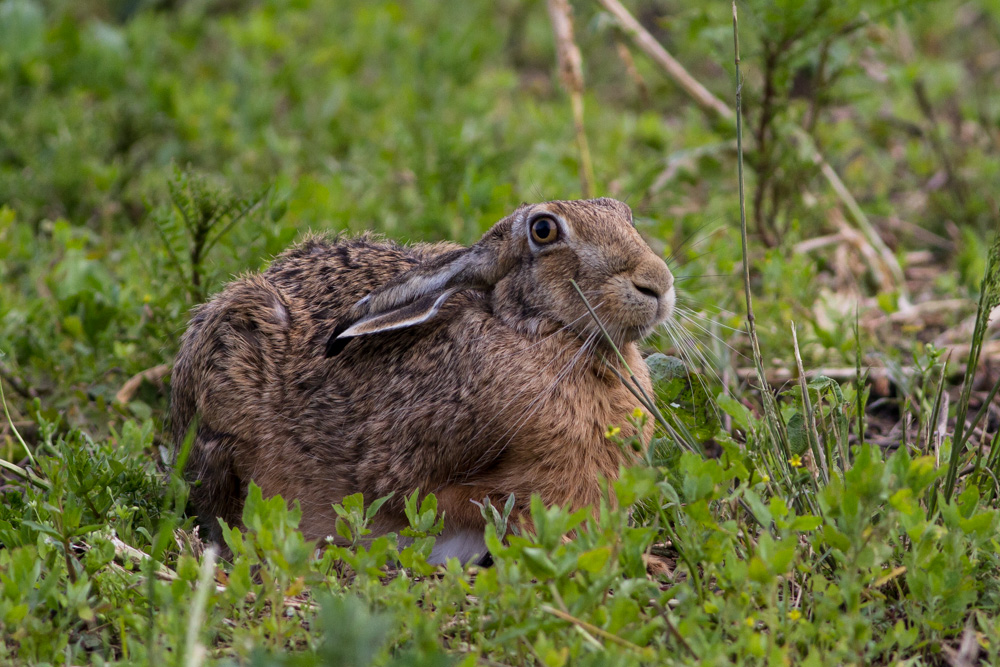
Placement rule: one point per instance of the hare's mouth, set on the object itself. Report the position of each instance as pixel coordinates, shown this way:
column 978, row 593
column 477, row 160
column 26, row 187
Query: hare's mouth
column 626, row 308
column 660, row 313
column 658, row 307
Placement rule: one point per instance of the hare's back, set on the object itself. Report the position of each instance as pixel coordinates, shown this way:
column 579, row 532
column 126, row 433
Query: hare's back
column 330, row 275
column 239, row 348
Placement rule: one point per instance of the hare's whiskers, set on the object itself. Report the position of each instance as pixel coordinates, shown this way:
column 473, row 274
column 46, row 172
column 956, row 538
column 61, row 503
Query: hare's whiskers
column 709, row 369
column 701, row 327
column 686, row 345
column 687, row 300
column 689, row 349
column 701, row 276
column 708, row 320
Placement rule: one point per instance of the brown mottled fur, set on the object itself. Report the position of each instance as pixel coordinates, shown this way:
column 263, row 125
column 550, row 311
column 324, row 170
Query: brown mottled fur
column 492, row 395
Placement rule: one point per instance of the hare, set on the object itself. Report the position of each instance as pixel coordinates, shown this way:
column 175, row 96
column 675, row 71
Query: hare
column 359, row 365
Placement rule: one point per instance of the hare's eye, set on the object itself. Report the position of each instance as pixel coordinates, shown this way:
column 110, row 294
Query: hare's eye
column 544, row 230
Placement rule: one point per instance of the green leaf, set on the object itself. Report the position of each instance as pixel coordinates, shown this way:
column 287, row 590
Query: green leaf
column 354, row 503
column 805, row 523
column 493, row 543
column 760, row 511
column 798, row 437
column 835, row 538
column 538, row 562
column 778, row 507
column 739, row 412
column 594, row 560
column 374, row 507
column 758, row 571
column 343, row 529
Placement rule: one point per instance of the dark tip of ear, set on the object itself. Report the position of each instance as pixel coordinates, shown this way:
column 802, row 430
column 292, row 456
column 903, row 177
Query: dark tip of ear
column 334, row 344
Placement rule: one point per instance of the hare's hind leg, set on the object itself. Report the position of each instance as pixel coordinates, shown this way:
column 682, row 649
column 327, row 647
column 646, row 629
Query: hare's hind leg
column 227, row 379
column 217, row 488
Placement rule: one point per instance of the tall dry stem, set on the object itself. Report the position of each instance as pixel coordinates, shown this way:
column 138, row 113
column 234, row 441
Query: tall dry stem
column 571, row 73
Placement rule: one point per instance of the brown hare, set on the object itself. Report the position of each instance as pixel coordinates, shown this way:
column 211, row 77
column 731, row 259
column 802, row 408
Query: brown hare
column 359, row 365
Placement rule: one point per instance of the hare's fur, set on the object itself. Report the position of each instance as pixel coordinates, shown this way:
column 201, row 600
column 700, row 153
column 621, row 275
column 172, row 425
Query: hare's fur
column 466, row 372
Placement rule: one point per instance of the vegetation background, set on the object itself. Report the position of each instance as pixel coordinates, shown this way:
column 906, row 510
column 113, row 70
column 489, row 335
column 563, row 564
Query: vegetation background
column 152, row 149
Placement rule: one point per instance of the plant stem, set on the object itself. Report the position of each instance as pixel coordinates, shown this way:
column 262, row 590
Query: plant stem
column 859, row 385
column 989, row 298
column 811, row 430
column 768, row 399
column 17, row 434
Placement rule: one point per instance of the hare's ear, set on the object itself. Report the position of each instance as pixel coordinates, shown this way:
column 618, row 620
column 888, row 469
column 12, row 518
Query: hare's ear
column 416, row 296
column 409, row 315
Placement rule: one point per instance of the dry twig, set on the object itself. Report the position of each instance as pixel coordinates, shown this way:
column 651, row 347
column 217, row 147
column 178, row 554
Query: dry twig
column 778, row 376
column 649, row 44
column 154, row 374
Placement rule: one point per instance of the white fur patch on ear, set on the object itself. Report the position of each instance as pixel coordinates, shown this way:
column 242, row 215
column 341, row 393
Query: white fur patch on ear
column 409, row 315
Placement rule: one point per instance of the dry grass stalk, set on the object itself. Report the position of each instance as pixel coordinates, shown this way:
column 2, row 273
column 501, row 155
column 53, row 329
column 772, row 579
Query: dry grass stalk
column 874, row 257
column 688, row 159
column 812, row 431
column 571, row 73
column 779, row 376
column 194, row 651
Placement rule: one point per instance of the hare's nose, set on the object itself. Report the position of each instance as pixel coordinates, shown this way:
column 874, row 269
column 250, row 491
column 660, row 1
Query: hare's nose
column 653, row 279
column 646, row 289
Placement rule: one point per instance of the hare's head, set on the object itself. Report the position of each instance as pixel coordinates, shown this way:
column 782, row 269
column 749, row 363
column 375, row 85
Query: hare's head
column 529, row 259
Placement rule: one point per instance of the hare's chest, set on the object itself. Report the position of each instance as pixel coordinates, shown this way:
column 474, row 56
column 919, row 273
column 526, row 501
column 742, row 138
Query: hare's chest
column 569, row 418
column 547, row 401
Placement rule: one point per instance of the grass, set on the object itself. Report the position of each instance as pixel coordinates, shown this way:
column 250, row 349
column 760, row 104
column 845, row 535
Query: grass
column 150, row 152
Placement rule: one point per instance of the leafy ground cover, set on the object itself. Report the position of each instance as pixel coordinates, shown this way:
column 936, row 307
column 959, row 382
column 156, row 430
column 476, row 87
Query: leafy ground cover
column 848, row 513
